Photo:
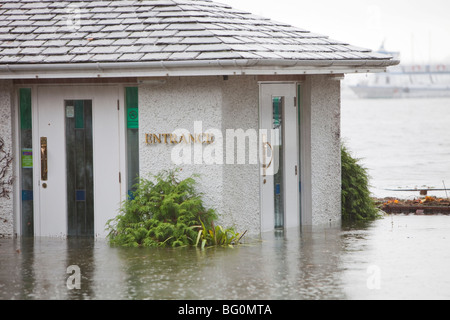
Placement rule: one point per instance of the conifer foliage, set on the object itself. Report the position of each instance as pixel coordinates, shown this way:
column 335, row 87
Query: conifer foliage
column 357, row 203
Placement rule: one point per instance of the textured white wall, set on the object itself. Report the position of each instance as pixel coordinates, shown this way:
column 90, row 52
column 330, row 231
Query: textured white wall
column 241, row 181
column 220, row 104
column 6, row 204
column 325, row 150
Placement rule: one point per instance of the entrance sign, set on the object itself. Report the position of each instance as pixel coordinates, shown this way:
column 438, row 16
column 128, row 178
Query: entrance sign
column 171, row 138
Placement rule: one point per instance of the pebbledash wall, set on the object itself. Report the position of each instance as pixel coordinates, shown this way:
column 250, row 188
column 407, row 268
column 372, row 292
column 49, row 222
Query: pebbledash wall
column 6, row 129
column 322, row 108
column 233, row 103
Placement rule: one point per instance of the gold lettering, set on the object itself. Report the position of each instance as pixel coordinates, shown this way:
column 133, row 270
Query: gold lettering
column 205, row 137
column 156, row 138
column 183, row 138
column 148, row 138
column 165, row 137
column 209, row 138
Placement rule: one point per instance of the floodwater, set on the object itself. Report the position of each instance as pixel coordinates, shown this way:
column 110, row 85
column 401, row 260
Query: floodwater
column 404, row 143
column 397, row 257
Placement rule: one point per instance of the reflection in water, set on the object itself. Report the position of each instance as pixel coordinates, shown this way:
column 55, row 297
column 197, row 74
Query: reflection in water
column 274, row 268
column 80, row 252
column 306, row 263
column 26, row 252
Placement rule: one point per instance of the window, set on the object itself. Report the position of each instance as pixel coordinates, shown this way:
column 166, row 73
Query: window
column 26, row 161
column 131, row 104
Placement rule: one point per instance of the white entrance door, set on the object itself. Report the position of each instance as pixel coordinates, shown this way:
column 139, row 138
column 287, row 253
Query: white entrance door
column 279, row 156
column 78, row 135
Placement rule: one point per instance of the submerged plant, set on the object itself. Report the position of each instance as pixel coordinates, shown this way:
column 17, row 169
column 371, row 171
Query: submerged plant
column 217, row 236
column 357, row 204
column 164, row 211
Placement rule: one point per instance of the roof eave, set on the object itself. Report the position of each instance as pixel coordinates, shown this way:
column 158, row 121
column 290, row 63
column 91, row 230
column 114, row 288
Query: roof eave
column 192, row 68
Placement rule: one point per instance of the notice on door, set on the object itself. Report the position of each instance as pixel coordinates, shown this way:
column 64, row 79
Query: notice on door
column 27, row 158
column 70, row 111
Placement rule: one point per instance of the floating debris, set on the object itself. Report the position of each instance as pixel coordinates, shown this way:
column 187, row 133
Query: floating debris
column 426, row 205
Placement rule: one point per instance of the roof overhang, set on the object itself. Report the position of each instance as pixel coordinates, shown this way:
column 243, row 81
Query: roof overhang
column 192, row 68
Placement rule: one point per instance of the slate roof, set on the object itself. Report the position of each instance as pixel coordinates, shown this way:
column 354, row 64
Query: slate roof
column 61, row 32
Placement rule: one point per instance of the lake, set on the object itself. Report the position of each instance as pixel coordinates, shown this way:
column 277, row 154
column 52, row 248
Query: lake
column 404, row 143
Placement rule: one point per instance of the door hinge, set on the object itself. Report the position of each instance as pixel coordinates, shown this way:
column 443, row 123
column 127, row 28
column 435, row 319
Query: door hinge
column 296, row 170
column 120, row 177
column 295, row 102
column 118, row 104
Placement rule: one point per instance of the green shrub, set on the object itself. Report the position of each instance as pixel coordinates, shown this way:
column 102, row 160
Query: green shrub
column 357, row 204
column 163, row 212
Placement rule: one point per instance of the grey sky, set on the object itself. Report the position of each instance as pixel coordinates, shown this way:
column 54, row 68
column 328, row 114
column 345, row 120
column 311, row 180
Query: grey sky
column 420, row 30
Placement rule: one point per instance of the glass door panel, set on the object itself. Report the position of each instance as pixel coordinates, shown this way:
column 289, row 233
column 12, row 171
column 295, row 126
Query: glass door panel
column 277, row 103
column 80, row 177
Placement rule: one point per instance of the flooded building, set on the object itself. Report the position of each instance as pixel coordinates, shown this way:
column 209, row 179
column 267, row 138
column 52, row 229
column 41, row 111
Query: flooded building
column 94, row 94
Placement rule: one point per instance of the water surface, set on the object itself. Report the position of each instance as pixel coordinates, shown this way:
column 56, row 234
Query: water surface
column 398, row 257
column 402, row 142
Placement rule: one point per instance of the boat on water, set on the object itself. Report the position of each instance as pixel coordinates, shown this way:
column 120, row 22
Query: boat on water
column 405, row 81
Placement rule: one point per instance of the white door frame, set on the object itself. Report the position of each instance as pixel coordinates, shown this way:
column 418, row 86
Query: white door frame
column 108, row 139
column 291, row 163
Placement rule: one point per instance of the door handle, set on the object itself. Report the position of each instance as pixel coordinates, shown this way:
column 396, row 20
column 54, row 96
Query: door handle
column 266, row 144
column 44, row 164
column 264, row 155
